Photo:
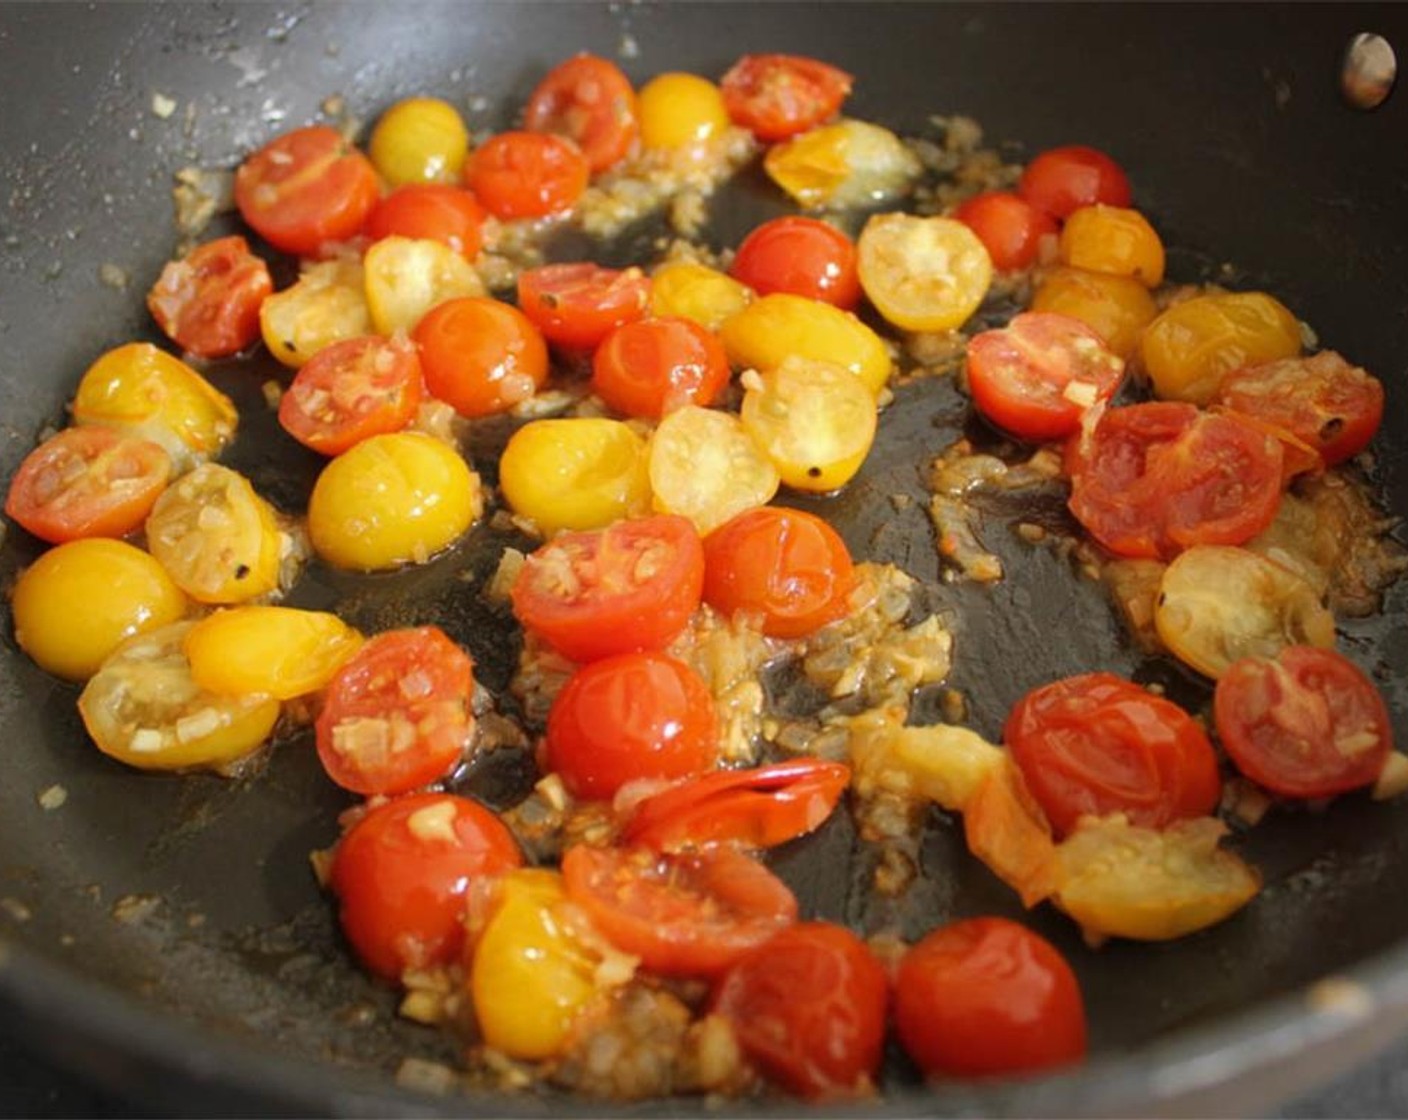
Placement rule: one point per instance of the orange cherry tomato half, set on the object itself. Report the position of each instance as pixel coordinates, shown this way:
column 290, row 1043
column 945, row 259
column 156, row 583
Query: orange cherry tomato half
column 590, row 101
column 402, row 872
column 808, row 1007
column 430, row 212
column 89, row 481
column 480, row 355
column 577, row 305
column 987, row 996
column 1097, row 744
column 631, row 586
column 397, row 716
column 1062, row 180
column 527, row 174
column 208, row 301
column 350, row 391
column 1009, row 227
column 651, row 367
column 780, row 95
column 306, row 188
column 804, row 256
column 691, row 914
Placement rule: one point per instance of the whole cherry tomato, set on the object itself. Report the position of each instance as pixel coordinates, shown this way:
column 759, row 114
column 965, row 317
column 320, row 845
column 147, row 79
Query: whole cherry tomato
column 430, row 211
column 527, row 174
column 1062, row 180
column 651, row 367
column 1009, row 227
column 804, row 256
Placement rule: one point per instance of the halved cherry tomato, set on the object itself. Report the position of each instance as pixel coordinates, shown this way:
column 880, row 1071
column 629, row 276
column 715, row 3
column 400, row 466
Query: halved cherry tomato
column 629, row 587
column 788, row 569
column 527, row 174
column 1062, row 180
column 1009, row 227
column 430, row 211
column 760, row 807
column 480, row 355
column 987, row 996
column 804, row 256
column 808, row 1006
column 780, row 95
column 404, row 279
column 588, row 100
column 1297, row 456
column 397, row 715
column 839, row 166
column 350, row 391
column 1097, row 744
column 653, row 366
column 578, row 305
column 402, row 872
column 306, row 188
column 1306, row 723
column 692, row 914
column 327, row 304
column 208, row 301
column 1037, row 376
column 704, row 465
column 923, row 274
column 87, row 482
column 1152, row 479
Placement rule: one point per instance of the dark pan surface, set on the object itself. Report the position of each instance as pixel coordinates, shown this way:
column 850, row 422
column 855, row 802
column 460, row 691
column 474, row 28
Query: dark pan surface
column 230, row 991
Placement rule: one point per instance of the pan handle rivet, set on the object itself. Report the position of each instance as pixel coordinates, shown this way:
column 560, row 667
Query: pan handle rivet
column 1370, row 68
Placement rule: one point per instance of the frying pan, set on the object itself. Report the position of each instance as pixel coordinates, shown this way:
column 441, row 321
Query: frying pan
column 164, row 935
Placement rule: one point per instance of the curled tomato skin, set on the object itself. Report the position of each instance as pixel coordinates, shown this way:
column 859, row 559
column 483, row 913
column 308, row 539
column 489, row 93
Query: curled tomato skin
column 577, row 305
column 804, row 256
column 590, row 101
column 351, row 391
column 527, row 174
column 1060, row 181
column 780, row 95
column 433, row 212
column 208, row 301
column 1009, row 227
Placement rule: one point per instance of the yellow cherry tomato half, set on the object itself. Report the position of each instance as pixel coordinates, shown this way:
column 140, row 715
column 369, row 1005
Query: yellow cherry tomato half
column 1113, row 240
column 677, row 110
column 282, row 652
column 850, row 163
column 685, row 290
column 392, row 500
column 419, row 140
column 78, row 602
column 406, row 277
column 705, row 466
column 1117, row 308
column 327, row 304
column 577, row 473
column 778, row 326
column 922, row 274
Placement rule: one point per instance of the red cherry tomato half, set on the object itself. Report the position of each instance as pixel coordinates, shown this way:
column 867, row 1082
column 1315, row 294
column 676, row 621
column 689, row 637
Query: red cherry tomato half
column 1098, row 744
column 808, row 1007
column 1153, row 479
column 1009, row 227
column 1307, row 723
column 208, row 301
column 631, row 586
column 350, row 391
column 527, row 174
column 787, row 568
column 401, row 873
column 653, row 366
column 987, row 996
column 578, row 305
column 480, row 355
column 88, row 482
column 1037, row 376
column 692, row 914
column 590, row 101
column 397, row 714
column 1062, row 180
column 803, row 256
column 760, row 807
column 306, row 188
column 779, row 95
column 430, row 212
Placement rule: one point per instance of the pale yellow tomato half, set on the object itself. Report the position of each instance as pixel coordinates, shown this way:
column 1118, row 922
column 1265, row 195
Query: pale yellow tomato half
column 705, row 466
column 406, row 277
column 922, row 274
column 849, row 163
column 327, row 304
column 282, row 652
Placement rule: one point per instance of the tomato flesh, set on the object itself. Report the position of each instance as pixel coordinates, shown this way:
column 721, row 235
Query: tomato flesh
column 527, row 174
column 1009, row 227
column 804, row 256
column 1062, row 180
column 590, row 101
column 351, row 391
column 651, row 367
column 432, row 212
column 780, row 95
column 208, row 301
column 577, row 305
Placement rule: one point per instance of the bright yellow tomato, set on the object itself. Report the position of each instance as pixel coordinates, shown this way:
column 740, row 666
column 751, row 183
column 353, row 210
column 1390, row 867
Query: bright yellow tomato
column 279, row 651
column 419, row 140
column 686, row 290
column 781, row 325
column 1113, row 240
column 850, row 163
column 78, row 602
column 1117, row 308
column 578, row 473
column 328, row 304
column 392, row 500
column 705, row 466
column 922, row 274
column 406, row 277
column 677, row 110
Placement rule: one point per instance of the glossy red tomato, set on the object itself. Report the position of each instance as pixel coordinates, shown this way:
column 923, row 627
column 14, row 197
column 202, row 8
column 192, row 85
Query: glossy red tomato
column 780, row 95
column 401, row 873
column 350, row 391
column 590, row 101
column 631, row 586
column 1098, row 744
column 804, row 256
column 397, row 714
column 1062, row 180
column 527, row 174
column 651, row 367
column 306, row 188
column 808, row 1007
column 1152, row 479
column 1009, row 227
column 578, row 305
column 1037, row 376
column 208, row 301
column 691, row 914
column 788, row 569
column 430, row 212
column 480, row 355
column 986, row 996
column 1307, row 723
column 88, row 481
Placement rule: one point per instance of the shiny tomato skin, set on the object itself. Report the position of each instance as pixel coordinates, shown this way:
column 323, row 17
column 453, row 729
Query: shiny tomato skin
column 351, row 391
column 808, row 1006
column 780, row 95
column 208, row 301
column 590, row 101
column 306, row 188
column 650, row 367
column 1009, row 227
column 985, row 997
column 577, row 305
column 527, row 175
column 480, row 355
column 401, row 874
column 1060, row 181
column 430, row 211
column 804, row 256
column 1097, row 744
column 1283, row 721
column 632, row 586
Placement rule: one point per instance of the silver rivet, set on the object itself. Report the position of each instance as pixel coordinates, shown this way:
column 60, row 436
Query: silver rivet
column 1370, row 69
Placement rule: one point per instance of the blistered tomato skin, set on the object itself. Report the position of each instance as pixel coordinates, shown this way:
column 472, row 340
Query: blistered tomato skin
column 1010, row 227
column 680, row 111
column 419, row 140
column 575, row 473
column 527, row 175
column 434, row 211
column 770, row 329
column 653, row 366
column 1113, row 240
column 282, row 652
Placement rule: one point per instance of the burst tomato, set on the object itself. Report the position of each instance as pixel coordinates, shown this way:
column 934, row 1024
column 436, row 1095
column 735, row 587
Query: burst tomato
column 208, row 301
column 653, row 366
column 527, row 174
column 1009, row 227
column 588, row 100
column 350, row 391
column 780, row 95
column 1062, row 180
column 803, row 256
column 578, row 305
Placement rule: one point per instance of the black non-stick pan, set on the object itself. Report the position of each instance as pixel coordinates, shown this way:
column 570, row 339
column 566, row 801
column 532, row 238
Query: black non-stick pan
column 165, row 934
